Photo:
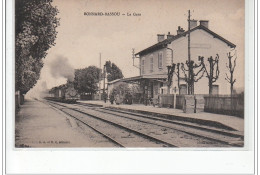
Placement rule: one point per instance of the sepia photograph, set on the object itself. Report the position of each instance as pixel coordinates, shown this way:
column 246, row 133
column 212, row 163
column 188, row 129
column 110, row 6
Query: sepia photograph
column 129, row 74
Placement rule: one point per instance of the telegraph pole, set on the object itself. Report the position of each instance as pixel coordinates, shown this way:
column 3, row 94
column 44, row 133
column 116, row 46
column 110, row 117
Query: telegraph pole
column 189, row 76
column 99, row 80
column 189, row 36
column 104, row 84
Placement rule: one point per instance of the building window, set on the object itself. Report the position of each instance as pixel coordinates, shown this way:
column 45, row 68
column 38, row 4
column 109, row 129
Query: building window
column 59, row 93
column 160, row 58
column 215, row 89
column 151, row 64
column 183, row 89
column 142, row 66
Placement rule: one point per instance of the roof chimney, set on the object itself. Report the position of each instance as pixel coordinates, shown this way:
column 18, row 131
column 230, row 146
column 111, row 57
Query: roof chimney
column 169, row 36
column 160, row 37
column 180, row 30
column 193, row 23
column 204, row 23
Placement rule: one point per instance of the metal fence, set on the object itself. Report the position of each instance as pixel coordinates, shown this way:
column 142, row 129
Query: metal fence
column 180, row 101
column 167, row 100
column 223, row 104
column 220, row 104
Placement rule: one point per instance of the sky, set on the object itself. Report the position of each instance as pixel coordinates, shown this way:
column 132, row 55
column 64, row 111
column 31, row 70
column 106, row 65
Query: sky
column 82, row 38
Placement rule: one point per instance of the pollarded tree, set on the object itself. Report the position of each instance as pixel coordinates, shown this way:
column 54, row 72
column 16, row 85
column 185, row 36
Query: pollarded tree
column 35, row 33
column 179, row 78
column 190, row 75
column 231, row 67
column 213, row 73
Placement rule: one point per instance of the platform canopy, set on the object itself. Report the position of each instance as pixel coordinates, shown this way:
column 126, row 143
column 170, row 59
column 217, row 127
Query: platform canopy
column 161, row 77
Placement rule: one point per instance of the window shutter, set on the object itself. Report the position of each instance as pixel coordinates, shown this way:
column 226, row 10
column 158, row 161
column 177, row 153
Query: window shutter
column 158, row 60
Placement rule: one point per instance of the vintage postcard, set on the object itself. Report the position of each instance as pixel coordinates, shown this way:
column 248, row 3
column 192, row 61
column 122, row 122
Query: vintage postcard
column 130, row 86
column 129, row 74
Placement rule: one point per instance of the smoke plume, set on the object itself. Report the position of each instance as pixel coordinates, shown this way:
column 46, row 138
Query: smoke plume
column 39, row 91
column 44, row 86
column 60, row 67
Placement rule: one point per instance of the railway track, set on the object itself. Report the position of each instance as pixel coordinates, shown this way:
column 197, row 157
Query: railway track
column 203, row 135
column 187, row 124
column 219, row 135
column 214, row 135
column 120, row 135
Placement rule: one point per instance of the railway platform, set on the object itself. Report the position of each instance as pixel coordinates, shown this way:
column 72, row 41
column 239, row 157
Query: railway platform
column 33, row 128
column 203, row 118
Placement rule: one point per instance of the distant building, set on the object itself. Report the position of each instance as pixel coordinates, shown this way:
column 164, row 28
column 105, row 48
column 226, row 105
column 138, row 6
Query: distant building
column 174, row 49
column 112, row 84
column 102, row 87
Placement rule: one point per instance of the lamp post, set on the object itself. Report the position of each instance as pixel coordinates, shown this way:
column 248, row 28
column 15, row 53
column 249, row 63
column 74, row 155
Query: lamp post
column 171, row 69
column 190, row 84
column 174, row 99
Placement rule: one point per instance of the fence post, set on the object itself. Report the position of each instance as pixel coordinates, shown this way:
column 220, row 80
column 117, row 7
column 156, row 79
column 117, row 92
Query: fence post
column 174, row 100
column 189, row 104
column 199, row 103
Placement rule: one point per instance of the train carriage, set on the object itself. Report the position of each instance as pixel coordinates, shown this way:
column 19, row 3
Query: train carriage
column 64, row 93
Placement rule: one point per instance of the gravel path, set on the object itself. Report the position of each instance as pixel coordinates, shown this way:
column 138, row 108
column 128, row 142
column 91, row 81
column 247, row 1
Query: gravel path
column 39, row 125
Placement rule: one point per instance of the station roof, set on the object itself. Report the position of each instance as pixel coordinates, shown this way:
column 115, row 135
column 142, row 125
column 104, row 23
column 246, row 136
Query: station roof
column 164, row 43
column 114, row 81
column 142, row 77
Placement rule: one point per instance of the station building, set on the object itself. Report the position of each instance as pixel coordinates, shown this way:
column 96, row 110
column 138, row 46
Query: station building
column 153, row 61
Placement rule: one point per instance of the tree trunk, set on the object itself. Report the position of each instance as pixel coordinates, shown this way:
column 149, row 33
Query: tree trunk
column 231, row 84
column 210, row 90
column 210, row 87
column 168, row 89
column 231, row 90
column 191, row 88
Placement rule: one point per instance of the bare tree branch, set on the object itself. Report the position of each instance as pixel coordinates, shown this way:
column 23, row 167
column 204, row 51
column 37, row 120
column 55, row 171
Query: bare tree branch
column 227, row 66
column 231, row 68
column 183, row 70
column 234, row 64
column 202, row 68
column 227, row 78
column 196, row 80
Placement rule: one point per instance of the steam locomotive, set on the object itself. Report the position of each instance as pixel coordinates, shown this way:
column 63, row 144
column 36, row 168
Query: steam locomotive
column 65, row 93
